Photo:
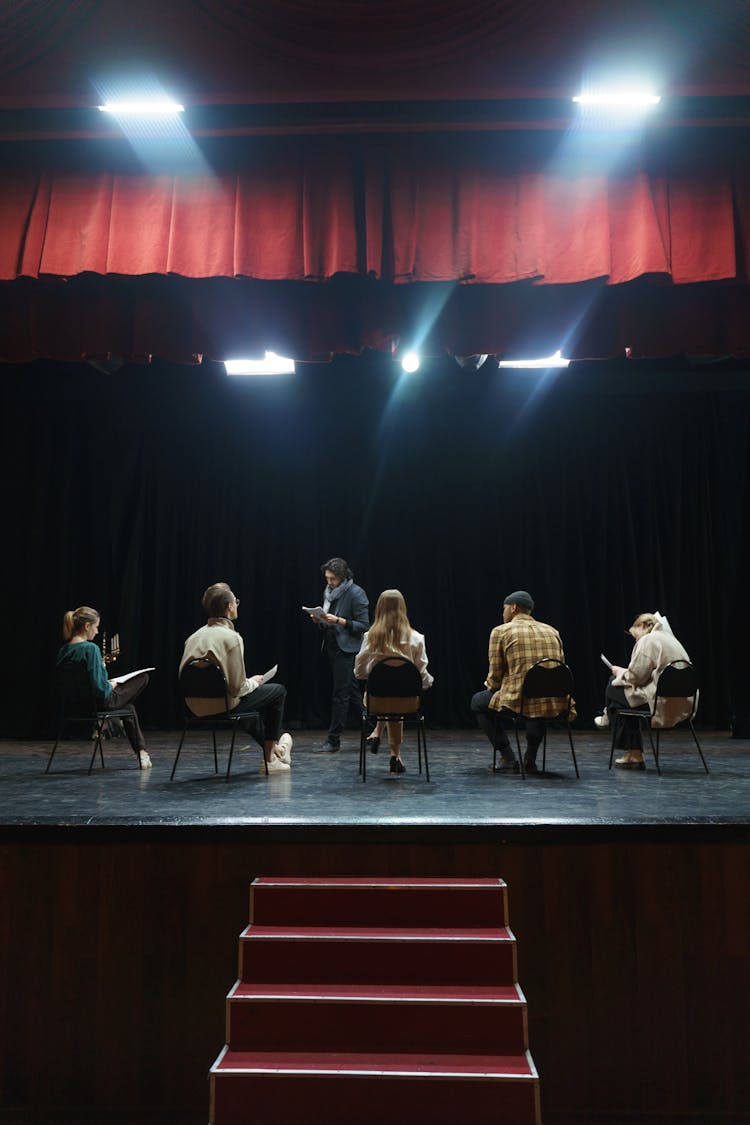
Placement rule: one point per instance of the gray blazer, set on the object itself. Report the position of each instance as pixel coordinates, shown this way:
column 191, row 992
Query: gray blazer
column 355, row 607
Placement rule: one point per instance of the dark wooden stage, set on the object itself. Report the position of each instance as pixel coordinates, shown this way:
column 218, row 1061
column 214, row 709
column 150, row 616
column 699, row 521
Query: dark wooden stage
column 125, row 893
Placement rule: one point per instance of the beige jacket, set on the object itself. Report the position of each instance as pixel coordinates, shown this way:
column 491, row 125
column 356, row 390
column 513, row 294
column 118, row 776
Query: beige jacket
column 651, row 654
column 218, row 642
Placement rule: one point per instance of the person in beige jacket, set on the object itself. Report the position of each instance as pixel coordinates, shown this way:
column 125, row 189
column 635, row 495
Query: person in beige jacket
column 218, row 642
column 635, row 686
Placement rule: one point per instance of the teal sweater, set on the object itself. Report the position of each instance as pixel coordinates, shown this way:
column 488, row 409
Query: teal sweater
column 88, row 654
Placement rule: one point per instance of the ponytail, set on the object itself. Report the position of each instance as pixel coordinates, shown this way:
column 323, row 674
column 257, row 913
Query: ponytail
column 75, row 620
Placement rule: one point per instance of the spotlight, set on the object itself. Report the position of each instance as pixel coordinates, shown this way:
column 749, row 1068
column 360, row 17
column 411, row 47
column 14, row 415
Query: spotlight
column 619, row 98
column 555, row 360
column 156, row 107
column 271, row 364
column 470, row 362
column 410, row 362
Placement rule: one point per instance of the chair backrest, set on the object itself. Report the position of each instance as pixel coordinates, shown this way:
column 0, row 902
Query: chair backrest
column 678, row 680
column 394, row 684
column 548, row 679
column 202, row 679
column 75, row 689
column 394, row 676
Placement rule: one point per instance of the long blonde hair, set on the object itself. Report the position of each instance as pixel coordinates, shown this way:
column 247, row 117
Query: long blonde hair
column 391, row 630
column 75, row 621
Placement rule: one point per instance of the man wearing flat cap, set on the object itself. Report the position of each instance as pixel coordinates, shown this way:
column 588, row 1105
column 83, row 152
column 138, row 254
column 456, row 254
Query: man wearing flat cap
column 515, row 646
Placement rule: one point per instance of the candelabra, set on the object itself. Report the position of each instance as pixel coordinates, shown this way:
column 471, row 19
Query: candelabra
column 111, row 652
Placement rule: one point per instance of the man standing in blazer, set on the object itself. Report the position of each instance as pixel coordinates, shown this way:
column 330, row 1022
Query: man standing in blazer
column 346, row 618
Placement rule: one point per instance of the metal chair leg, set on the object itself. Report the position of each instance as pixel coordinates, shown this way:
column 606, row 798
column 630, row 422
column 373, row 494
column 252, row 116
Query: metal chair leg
column 54, row 748
column 97, row 746
column 654, row 749
column 421, row 727
column 518, row 747
column 615, row 723
column 179, row 751
column 572, row 748
column 697, row 743
column 231, row 751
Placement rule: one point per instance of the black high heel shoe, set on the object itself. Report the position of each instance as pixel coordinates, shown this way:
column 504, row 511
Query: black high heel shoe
column 372, row 743
column 397, row 766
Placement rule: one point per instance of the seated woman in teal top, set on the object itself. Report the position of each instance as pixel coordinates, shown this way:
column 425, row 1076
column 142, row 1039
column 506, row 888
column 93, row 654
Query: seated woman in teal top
column 80, row 626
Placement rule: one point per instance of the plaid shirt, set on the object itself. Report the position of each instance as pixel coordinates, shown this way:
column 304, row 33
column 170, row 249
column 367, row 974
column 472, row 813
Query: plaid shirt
column 513, row 649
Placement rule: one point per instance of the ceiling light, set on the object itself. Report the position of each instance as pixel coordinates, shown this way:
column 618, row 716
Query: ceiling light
column 272, row 364
column 627, row 99
column 152, row 107
column 555, row 360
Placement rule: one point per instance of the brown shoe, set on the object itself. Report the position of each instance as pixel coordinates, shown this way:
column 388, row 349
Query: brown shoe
column 631, row 761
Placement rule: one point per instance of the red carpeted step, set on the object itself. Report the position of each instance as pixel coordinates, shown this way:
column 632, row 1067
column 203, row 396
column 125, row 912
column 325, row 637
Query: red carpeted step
column 369, row 955
column 367, row 1089
column 447, row 1020
column 379, row 902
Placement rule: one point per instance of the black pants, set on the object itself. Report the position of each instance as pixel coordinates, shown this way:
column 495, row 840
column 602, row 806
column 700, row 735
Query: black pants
column 121, row 696
column 268, row 700
column 492, row 723
column 346, row 692
column 629, row 736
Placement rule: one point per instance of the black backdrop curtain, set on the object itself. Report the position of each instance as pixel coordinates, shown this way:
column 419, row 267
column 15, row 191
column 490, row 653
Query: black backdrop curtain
column 604, row 489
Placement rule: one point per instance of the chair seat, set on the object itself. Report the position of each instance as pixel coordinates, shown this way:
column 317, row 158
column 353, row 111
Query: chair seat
column 677, row 680
column 202, row 679
column 79, row 704
column 548, row 679
column 394, row 694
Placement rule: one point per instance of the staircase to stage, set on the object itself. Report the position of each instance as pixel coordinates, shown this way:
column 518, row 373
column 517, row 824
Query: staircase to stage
column 366, row 1000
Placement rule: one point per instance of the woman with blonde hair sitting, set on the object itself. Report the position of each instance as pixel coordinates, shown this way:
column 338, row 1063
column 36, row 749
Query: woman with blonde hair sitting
column 634, row 687
column 391, row 635
column 80, row 626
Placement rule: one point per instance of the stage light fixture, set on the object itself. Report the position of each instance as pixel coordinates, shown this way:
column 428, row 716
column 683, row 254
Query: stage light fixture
column 148, row 107
column 271, row 364
column 410, row 362
column 555, row 360
column 470, row 362
column 618, row 98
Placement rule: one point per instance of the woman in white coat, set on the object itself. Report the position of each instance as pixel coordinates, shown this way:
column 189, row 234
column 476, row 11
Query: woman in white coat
column 634, row 687
column 391, row 635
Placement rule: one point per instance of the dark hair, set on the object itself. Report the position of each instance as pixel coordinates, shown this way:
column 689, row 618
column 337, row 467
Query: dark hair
column 76, row 620
column 340, row 567
column 217, row 598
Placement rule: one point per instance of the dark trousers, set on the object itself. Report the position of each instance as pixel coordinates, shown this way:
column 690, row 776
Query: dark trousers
column 268, row 700
column 629, row 735
column 121, row 696
column 345, row 689
column 493, row 724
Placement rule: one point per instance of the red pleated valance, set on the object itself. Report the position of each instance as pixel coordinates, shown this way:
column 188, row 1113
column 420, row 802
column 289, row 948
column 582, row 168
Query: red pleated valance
column 399, row 209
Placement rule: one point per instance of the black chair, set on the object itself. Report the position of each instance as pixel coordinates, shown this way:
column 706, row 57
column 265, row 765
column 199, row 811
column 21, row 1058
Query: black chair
column 78, row 704
column 202, row 679
column 394, row 692
column 547, row 679
column 678, row 680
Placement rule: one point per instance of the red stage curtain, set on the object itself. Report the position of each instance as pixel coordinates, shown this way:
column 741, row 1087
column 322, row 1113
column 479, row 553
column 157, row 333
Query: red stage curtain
column 408, row 210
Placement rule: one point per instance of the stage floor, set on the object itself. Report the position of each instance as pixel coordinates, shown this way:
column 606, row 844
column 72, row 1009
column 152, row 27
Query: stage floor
column 326, row 791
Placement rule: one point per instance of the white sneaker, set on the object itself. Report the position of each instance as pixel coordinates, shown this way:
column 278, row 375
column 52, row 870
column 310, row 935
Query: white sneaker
column 601, row 721
column 275, row 766
column 144, row 761
column 283, row 749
